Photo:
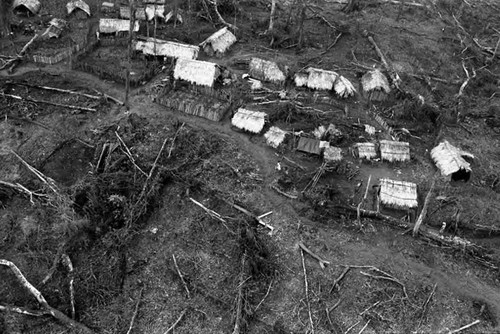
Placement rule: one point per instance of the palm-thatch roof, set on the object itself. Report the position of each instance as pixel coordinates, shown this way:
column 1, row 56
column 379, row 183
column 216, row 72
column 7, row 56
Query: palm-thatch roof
column 78, row 4
column 140, row 13
column 375, row 85
column 369, row 129
column 177, row 17
column 322, row 131
column 197, row 72
column 107, row 6
column 167, row 49
column 366, row 150
column 332, row 154
column 109, row 26
column 153, row 11
column 316, row 78
column 450, row 160
column 249, row 120
column 394, row 150
column 31, row 5
column 266, row 70
column 219, row 42
column 309, row 145
column 398, row 194
column 275, row 136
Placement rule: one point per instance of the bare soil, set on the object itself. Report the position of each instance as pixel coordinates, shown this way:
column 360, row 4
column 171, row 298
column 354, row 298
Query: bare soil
column 122, row 224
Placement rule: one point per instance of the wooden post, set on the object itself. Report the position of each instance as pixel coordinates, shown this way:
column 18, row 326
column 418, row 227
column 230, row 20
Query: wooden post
column 422, row 215
column 130, row 39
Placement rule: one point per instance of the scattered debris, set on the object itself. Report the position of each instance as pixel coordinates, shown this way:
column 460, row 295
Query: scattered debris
column 158, row 47
column 366, row 150
column 266, row 70
column 398, row 194
column 451, row 161
column 322, row 263
column 197, row 72
column 375, row 85
column 332, row 154
column 249, row 120
column 394, row 150
column 370, row 129
column 275, row 136
column 78, row 5
column 218, row 43
column 54, row 29
column 26, row 7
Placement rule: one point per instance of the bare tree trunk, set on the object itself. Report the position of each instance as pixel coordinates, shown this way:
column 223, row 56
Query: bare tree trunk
column 130, row 39
column 5, row 12
column 303, row 8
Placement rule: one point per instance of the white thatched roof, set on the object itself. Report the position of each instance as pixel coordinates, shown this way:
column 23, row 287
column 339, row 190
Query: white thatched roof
column 140, row 13
column 450, row 159
column 170, row 15
column 249, row 120
column 266, row 70
column 366, row 150
column 369, row 129
column 316, row 79
column 167, row 49
column 220, row 41
column 275, row 136
column 32, row 5
column 80, row 4
column 375, row 80
column 398, row 194
column 108, row 26
column 394, row 150
column 153, row 11
column 332, row 153
column 197, row 72
column 344, row 87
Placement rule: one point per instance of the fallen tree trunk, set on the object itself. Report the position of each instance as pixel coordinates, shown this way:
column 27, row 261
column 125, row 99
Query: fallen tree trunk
column 60, row 90
column 48, row 102
column 11, row 64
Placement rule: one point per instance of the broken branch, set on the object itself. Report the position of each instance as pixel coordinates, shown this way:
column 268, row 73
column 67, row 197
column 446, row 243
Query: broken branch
column 23, row 310
column 424, row 307
column 340, row 278
column 322, row 263
column 171, row 328
column 135, row 312
column 22, row 189
column 239, row 298
column 54, row 89
column 41, row 299
column 475, row 322
column 396, row 80
column 181, row 277
column 307, row 290
column 211, row 213
column 11, row 64
column 386, row 277
column 129, row 155
column 67, row 262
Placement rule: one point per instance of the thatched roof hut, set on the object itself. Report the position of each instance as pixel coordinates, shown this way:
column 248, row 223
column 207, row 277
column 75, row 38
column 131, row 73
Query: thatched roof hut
column 197, row 72
column 366, row 150
column 394, row 150
column 26, row 7
column 332, row 154
column 219, row 42
column 266, row 70
column 369, row 129
column 451, row 161
column 249, row 120
column 375, row 85
column 309, row 145
column 153, row 11
column 109, row 26
column 140, row 13
column 78, row 5
column 398, row 194
column 275, row 136
column 167, row 49
column 319, row 79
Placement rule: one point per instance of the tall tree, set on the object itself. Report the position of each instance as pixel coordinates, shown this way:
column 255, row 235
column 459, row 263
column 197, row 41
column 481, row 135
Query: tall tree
column 5, row 12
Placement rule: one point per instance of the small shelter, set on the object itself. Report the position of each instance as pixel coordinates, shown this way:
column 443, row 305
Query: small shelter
column 249, row 120
column 266, row 70
column 79, row 8
column 153, row 11
column 107, row 7
column 196, row 72
column 394, row 150
column 219, row 42
column 309, row 145
column 26, row 7
column 140, row 13
column 275, row 136
column 451, row 161
column 398, row 194
column 54, row 29
column 366, row 150
column 332, row 154
column 375, row 85
column 319, row 79
column 110, row 26
column 158, row 47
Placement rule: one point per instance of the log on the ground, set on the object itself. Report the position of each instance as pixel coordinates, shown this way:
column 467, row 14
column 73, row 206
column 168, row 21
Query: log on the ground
column 17, row 97
column 59, row 90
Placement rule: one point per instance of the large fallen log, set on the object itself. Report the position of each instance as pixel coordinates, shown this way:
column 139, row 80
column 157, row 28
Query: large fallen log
column 59, row 90
column 17, row 97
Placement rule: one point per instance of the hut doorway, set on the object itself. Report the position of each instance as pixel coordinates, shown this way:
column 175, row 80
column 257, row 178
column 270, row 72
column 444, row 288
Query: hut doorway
column 461, row 175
